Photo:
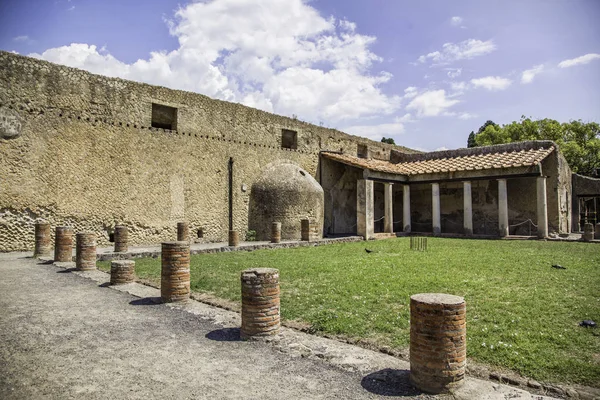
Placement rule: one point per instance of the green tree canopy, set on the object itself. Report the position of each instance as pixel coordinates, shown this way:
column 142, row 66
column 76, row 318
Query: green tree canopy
column 387, row 140
column 578, row 141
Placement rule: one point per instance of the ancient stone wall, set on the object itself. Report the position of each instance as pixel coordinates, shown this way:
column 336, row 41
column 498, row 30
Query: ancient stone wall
column 79, row 149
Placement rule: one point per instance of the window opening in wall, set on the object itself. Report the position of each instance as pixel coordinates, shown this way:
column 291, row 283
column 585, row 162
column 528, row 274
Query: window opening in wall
column 164, row 117
column 362, row 151
column 289, row 139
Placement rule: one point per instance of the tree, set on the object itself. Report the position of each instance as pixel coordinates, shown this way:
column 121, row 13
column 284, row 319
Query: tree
column 387, row 140
column 578, row 141
column 471, row 140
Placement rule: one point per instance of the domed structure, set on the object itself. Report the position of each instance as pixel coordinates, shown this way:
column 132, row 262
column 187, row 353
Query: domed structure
column 285, row 193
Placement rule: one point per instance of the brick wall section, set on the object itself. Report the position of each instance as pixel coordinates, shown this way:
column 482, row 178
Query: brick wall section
column 63, row 244
column 234, row 239
column 122, row 272
column 276, row 232
column 260, row 302
column 183, row 232
column 85, row 252
column 43, row 240
column 121, row 239
column 309, row 230
column 438, row 345
column 175, row 272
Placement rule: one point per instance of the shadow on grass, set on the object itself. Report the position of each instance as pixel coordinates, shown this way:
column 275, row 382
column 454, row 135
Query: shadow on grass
column 146, row 301
column 389, row 382
column 225, row 335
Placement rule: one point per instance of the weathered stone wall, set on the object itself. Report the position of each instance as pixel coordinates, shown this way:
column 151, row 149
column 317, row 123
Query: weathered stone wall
column 558, row 190
column 78, row 149
column 339, row 186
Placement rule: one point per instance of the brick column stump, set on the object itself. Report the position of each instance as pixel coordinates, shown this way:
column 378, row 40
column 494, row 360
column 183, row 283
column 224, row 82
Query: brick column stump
column 276, row 232
column 122, row 272
column 260, row 303
column 85, row 251
column 588, row 232
column 438, row 342
column 183, row 232
column 121, row 239
column 234, row 239
column 175, row 272
column 43, row 240
column 63, row 244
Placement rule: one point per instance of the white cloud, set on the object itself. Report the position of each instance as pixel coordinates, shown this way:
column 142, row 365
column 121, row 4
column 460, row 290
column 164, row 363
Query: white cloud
column 454, row 72
column 376, row 132
column 431, row 103
column 466, row 116
column 491, row 83
column 528, row 75
column 282, row 57
column 456, row 21
column 464, row 50
column 459, row 86
column 22, row 38
column 410, row 92
column 579, row 60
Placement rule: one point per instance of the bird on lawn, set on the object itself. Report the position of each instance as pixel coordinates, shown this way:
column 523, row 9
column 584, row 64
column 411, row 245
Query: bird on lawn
column 368, row 251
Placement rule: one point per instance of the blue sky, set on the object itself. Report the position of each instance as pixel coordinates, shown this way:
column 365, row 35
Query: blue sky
column 425, row 73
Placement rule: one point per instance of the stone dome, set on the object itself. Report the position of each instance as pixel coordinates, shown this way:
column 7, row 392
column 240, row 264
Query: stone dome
column 285, row 193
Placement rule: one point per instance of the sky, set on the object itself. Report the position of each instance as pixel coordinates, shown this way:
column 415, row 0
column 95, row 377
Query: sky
column 425, row 73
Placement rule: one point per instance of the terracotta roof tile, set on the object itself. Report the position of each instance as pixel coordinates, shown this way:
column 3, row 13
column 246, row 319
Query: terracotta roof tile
column 510, row 159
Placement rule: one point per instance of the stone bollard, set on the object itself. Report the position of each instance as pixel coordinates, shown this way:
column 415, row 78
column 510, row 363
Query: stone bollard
column 43, row 240
column 234, row 239
column 121, row 239
column 588, row 232
column 438, row 342
column 183, row 232
column 122, row 272
column 63, row 244
column 260, row 302
column 276, row 232
column 175, row 272
column 85, row 252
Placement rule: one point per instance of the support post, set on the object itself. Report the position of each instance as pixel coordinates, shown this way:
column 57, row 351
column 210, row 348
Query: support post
column 435, row 208
column 468, row 208
column 502, row 208
column 364, row 209
column 542, row 208
column 406, row 208
column 388, row 219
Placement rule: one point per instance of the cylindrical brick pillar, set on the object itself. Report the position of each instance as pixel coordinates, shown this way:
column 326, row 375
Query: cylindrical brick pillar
column 175, row 272
column 63, row 244
column 183, row 232
column 260, row 302
column 588, row 232
column 122, row 271
column 121, row 239
column 85, row 253
column 276, row 232
column 438, row 341
column 304, row 229
column 234, row 238
column 43, row 240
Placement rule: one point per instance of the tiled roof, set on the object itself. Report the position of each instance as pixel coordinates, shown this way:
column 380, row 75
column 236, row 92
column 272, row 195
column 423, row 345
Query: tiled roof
column 506, row 159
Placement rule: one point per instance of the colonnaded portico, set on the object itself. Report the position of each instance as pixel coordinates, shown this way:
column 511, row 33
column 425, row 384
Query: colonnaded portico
column 494, row 191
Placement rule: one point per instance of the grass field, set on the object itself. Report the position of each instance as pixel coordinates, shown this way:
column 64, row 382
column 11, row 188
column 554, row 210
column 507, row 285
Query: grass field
column 522, row 314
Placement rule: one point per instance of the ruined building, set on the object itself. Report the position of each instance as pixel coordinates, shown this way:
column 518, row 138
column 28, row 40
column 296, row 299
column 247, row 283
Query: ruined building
column 92, row 152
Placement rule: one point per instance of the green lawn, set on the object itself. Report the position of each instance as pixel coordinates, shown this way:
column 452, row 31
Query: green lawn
column 522, row 314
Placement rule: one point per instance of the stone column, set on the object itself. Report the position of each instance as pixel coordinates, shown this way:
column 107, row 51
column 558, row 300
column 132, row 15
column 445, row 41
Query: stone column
column 365, row 225
column 122, row 272
column 43, row 240
column 542, row 208
column 85, row 251
column 183, row 232
column 406, row 208
column 63, row 244
column 388, row 218
column 276, row 232
column 234, row 238
column 468, row 208
column 260, row 302
column 175, row 272
column 502, row 208
column 438, row 342
column 435, row 208
column 588, row 232
column 121, row 239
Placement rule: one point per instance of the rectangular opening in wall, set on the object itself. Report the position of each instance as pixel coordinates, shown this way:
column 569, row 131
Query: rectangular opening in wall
column 164, row 117
column 289, row 139
column 362, row 151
